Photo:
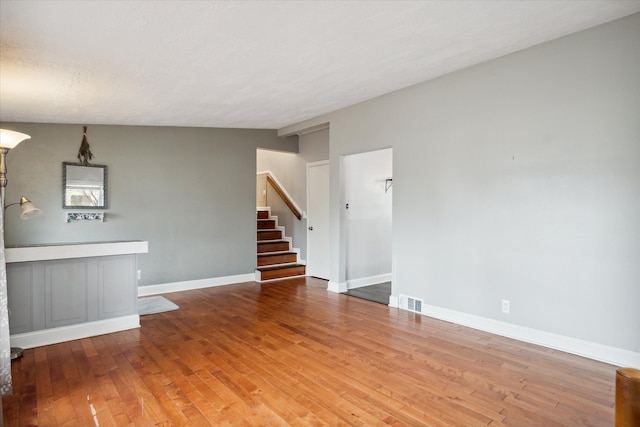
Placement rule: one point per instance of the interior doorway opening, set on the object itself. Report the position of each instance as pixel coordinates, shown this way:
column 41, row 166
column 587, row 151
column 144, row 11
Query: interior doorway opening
column 368, row 190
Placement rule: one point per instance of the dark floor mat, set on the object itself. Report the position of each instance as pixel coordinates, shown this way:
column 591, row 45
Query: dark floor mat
column 379, row 293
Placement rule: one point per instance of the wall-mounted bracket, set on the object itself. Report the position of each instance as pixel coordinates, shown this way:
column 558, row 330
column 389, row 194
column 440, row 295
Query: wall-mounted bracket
column 388, row 182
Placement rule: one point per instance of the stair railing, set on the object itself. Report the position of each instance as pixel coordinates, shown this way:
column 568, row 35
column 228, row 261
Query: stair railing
column 284, row 195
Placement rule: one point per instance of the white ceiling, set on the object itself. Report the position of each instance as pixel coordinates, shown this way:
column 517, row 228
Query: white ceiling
column 252, row 64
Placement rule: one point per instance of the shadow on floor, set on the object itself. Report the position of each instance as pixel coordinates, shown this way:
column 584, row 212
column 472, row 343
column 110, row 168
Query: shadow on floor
column 379, row 293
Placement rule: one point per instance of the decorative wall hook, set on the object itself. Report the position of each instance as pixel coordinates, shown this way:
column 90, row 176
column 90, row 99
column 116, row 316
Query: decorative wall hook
column 84, row 154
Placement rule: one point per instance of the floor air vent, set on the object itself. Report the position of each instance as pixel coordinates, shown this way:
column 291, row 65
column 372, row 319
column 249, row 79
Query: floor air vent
column 411, row 303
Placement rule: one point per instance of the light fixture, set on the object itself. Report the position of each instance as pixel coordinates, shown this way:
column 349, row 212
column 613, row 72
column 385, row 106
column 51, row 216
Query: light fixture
column 8, row 140
column 28, row 208
column 11, row 138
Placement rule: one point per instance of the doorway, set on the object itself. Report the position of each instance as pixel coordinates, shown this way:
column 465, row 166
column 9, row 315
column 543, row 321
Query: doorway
column 368, row 190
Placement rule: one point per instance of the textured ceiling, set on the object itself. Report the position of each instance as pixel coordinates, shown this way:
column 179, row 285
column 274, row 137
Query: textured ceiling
column 252, row 64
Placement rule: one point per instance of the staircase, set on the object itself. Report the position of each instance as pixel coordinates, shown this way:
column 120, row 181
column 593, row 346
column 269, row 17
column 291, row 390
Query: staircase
column 276, row 259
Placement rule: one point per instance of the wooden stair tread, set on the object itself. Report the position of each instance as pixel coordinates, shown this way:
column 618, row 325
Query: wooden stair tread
column 265, row 235
column 275, row 254
column 266, row 224
column 277, row 258
column 279, row 266
column 281, row 272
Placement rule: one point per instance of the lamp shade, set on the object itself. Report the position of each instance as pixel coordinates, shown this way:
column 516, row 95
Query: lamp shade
column 11, row 138
column 28, row 209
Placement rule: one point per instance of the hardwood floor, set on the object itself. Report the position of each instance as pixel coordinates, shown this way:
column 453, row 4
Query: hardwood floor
column 291, row 353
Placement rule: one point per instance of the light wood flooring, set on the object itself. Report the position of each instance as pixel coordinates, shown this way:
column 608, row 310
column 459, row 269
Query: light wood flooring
column 291, row 353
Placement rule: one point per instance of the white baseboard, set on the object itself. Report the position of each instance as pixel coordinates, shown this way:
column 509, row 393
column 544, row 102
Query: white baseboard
column 394, row 301
column 367, row 281
column 74, row 332
column 591, row 350
column 164, row 288
column 337, row 287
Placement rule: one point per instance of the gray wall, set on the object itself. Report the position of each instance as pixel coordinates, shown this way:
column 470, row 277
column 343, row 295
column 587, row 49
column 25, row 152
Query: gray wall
column 190, row 192
column 518, row 178
column 314, row 146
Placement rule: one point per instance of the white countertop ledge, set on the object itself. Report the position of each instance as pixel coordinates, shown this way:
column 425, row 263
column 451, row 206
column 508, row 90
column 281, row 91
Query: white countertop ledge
column 50, row 251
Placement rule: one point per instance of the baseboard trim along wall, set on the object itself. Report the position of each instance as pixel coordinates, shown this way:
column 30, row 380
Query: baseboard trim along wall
column 394, row 301
column 74, row 332
column 367, row 281
column 604, row 353
column 164, row 288
column 337, row 287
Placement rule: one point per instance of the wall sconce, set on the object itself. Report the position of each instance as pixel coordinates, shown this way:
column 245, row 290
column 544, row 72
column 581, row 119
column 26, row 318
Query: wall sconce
column 29, row 210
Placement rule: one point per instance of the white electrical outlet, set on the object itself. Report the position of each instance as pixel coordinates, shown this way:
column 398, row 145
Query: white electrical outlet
column 139, row 274
column 506, row 306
